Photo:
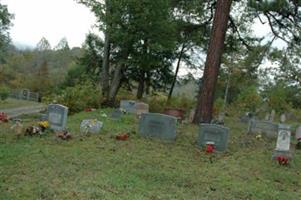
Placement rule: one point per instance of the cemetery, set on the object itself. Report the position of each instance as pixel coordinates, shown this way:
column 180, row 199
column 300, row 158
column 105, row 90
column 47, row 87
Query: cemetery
column 150, row 99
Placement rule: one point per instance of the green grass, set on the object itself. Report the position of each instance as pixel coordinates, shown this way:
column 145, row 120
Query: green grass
column 15, row 103
column 99, row 167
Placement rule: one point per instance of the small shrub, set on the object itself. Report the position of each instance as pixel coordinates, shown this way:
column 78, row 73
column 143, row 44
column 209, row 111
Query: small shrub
column 79, row 97
column 4, row 93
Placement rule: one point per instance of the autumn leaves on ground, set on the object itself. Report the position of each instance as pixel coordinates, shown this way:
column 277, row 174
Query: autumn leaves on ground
column 101, row 167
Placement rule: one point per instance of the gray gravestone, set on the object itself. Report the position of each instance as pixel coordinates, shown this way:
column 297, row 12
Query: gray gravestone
column 213, row 134
column 90, row 126
column 116, row 114
column 157, row 125
column 282, row 118
column 298, row 133
column 283, row 142
column 267, row 127
column 141, row 108
column 128, row 106
column 267, row 117
column 57, row 116
column 24, row 94
column 272, row 116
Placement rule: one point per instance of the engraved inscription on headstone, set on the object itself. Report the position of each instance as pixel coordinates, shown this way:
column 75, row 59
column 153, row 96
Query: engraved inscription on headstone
column 214, row 134
column 57, row 116
column 128, row 106
column 157, row 125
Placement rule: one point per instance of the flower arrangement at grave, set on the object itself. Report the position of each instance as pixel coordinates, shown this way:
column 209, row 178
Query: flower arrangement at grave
column 43, row 125
column 210, row 147
column 3, row 117
column 298, row 145
column 282, row 160
column 122, row 137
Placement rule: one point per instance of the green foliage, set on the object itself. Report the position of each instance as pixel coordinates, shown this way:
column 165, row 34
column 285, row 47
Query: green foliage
column 4, row 93
column 79, row 97
column 218, row 105
column 248, row 100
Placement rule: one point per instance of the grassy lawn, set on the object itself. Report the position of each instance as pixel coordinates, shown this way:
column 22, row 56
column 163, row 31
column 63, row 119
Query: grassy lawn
column 15, row 103
column 99, row 167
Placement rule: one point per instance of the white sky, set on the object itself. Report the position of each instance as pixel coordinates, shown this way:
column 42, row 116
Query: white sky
column 52, row 19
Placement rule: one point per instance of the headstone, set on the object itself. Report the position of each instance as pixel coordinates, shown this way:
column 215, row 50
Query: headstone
column 267, row 117
column 298, row 133
column 282, row 118
column 283, row 142
column 191, row 116
column 116, row 114
column 128, row 106
column 216, row 134
column 90, row 126
column 272, row 116
column 43, row 117
column 57, row 116
column 246, row 117
column 268, row 128
column 141, row 108
column 157, row 125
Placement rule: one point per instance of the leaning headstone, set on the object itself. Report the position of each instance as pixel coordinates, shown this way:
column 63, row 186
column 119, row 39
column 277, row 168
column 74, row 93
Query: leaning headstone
column 283, row 143
column 213, row 134
column 116, row 114
column 268, row 128
column 128, row 106
column 90, row 126
column 155, row 125
column 272, row 116
column 282, row 118
column 57, row 116
column 141, row 108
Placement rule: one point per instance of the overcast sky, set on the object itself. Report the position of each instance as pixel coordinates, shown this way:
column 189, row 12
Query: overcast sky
column 52, row 19
column 55, row 19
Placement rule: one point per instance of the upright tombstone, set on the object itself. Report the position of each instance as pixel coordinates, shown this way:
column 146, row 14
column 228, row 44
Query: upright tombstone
column 298, row 138
column 283, row 142
column 141, row 107
column 57, row 116
column 128, row 105
column 213, row 134
column 272, row 116
column 191, row 115
column 282, row 118
column 155, row 125
column 268, row 128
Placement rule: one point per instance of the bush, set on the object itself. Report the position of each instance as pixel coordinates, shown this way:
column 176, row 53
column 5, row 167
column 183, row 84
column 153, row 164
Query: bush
column 4, row 93
column 248, row 100
column 79, row 97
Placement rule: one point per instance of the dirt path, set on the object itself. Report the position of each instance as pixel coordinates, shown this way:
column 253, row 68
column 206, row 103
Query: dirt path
column 15, row 112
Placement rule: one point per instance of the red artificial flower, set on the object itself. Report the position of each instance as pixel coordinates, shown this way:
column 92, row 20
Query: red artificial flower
column 3, row 117
column 88, row 109
column 282, row 160
column 122, row 137
column 209, row 148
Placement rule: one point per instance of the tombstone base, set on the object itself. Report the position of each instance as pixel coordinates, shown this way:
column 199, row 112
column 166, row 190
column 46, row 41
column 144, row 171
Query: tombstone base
column 277, row 153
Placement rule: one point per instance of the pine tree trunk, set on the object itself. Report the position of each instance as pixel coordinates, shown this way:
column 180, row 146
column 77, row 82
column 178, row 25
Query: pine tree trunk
column 215, row 51
column 176, row 73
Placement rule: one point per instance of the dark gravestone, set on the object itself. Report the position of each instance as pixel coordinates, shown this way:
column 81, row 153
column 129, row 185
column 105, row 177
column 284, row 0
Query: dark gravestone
column 157, row 125
column 268, row 128
column 128, row 105
column 57, row 117
column 216, row 134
